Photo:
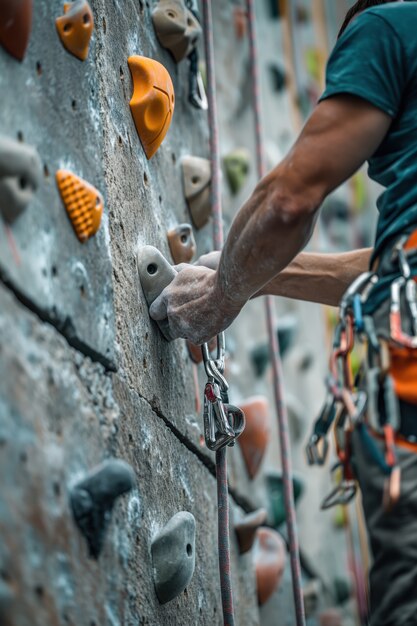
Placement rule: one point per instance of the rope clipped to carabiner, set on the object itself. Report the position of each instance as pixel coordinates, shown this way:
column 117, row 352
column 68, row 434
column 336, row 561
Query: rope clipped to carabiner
column 221, row 458
column 223, row 422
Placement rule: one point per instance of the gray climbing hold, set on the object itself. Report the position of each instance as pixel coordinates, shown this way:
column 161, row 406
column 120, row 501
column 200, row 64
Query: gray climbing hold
column 197, row 188
column 173, row 556
column 93, row 498
column 7, row 599
column 20, row 177
column 155, row 274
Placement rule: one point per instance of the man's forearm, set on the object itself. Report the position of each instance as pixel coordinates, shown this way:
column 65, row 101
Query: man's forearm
column 321, row 278
column 268, row 232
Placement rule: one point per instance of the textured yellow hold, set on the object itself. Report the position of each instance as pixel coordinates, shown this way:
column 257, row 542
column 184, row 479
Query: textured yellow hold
column 152, row 103
column 83, row 203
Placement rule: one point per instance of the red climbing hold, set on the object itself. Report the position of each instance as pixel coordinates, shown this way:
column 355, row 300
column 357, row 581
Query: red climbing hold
column 15, row 26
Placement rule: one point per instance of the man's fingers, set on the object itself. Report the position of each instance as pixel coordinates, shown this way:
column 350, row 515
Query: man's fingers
column 158, row 308
column 181, row 266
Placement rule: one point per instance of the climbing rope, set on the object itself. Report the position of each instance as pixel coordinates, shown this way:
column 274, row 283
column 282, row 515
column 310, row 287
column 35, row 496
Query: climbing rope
column 275, row 355
column 221, row 455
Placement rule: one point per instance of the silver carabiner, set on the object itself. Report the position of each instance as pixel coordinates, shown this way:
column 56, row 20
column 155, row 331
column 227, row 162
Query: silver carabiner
column 223, row 423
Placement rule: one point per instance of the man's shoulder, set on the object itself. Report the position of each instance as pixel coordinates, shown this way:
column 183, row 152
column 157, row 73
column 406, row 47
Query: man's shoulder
column 400, row 15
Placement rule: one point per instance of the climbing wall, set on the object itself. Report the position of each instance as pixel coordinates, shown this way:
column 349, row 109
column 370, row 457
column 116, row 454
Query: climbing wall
column 85, row 376
column 108, row 506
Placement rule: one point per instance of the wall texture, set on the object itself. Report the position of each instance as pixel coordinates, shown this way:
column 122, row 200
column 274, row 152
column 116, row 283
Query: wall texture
column 84, row 373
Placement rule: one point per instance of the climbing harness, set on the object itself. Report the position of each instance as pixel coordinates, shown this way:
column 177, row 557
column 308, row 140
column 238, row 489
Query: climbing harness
column 223, row 422
column 221, row 455
column 357, row 404
column 275, row 354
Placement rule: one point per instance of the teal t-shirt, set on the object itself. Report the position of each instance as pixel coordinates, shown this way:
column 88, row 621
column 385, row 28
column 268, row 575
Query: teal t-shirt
column 376, row 59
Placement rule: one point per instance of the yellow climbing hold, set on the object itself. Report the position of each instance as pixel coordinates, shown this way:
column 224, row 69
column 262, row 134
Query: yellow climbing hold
column 83, row 203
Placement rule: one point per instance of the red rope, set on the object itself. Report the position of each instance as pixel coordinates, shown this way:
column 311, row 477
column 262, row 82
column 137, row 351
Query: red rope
column 221, row 456
column 275, row 354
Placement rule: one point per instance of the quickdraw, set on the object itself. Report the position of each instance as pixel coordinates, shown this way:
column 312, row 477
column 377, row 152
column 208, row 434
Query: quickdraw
column 348, row 405
column 223, row 422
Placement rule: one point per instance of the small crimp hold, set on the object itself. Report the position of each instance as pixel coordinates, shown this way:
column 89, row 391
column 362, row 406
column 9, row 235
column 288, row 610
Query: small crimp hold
column 176, row 27
column 83, row 203
column 269, row 559
column 75, row 28
column 20, row 177
column 152, row 103
column 246, row 529
column 173, row 556
column 237, row 165
column 182, row 243
column 197, row 177
column 255, row 438
column 15, row 26
column 93, row 498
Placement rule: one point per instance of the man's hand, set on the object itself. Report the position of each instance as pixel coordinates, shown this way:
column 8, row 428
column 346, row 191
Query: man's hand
column 196, row 307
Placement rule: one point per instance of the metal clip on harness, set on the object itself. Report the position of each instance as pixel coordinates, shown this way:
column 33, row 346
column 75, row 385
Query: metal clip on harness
column 223, row 422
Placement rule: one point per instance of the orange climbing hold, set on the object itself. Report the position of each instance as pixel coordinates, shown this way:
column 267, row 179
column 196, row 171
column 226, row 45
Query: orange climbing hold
column 15, row 26
column 152, row 103
column 269, row 559
column 255, row 438
column 84, row 204
column 75, row 28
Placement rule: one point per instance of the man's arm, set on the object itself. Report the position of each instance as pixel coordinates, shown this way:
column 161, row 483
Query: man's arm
column 321, row 278
column 313, row 277
column 276, row 222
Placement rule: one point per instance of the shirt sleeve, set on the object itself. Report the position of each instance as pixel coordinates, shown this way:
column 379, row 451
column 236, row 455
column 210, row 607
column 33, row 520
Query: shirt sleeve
column 368, row 62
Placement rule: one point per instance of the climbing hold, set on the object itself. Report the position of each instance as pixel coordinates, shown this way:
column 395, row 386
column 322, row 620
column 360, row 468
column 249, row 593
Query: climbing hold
column 246, row 529
column 155, row 274
column 311, row 596
column 83, row 203
column 173, row 556
column 331, row 617
column 278, row 77
column 342, row 590
column 275, row 491
column 182, row 243
column 20, row 177
column 75, row 28
column 255, row 438
column 93, row 498
column 236, row 165
column 240, row 19
column 15, row 26
column 176, row 27
column 296, row 417
column 197, row 177
column 7, row 599
column 286, row 332
column 195, row 351
column 269, row 559
column 152, row 103
column 260, row 357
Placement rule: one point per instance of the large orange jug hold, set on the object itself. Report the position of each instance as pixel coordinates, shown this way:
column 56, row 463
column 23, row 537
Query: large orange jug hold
column 152, row 103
